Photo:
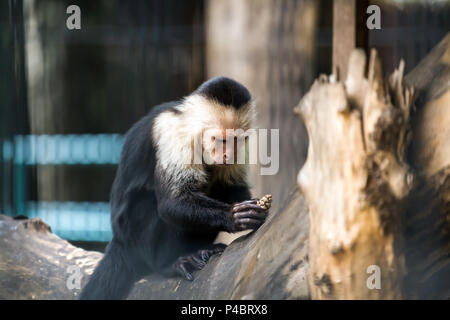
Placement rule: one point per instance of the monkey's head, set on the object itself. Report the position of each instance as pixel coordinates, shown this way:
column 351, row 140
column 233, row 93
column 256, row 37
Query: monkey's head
column 225, row 111
column 208, row 127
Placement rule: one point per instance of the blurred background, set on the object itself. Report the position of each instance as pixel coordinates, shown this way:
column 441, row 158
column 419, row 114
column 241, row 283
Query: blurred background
column 68, row 96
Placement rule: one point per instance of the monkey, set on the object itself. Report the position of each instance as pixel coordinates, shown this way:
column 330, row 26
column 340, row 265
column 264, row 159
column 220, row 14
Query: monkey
column 166, row 210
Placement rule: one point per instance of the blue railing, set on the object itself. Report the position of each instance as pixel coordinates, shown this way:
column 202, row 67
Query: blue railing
column 69, row 149
column 87, row 221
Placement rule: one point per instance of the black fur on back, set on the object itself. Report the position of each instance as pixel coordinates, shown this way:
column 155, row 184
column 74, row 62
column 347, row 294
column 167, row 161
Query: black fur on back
column 225, row 91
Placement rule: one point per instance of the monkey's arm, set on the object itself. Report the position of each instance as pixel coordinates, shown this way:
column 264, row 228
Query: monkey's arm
column 194, row 211
column 232, row 193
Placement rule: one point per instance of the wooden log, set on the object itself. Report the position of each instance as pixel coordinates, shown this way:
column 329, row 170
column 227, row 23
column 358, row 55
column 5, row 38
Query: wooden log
column 268, row 264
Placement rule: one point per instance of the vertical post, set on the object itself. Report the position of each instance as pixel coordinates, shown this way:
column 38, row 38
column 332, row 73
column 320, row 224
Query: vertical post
column 349, row 32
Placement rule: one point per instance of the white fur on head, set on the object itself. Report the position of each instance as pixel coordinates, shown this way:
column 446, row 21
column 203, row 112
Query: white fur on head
column 174, row 135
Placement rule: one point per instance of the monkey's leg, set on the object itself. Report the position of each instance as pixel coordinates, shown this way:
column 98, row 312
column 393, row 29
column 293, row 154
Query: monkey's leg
column 186, row 265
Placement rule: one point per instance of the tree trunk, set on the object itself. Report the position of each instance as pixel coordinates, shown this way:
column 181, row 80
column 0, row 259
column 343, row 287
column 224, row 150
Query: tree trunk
column 379, row 219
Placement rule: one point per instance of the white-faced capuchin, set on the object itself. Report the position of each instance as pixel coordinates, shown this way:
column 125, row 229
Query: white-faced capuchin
column 166, row 210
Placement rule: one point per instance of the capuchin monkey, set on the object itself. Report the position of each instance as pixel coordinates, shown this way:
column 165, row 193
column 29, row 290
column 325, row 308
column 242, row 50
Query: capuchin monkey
column 166, row 210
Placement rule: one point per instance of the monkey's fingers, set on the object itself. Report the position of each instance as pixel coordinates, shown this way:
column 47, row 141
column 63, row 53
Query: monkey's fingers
column 247, row 206
column 251, row 201
column 206, row 254
column 260, row 215
column 218, row 248
column 181, row 269
column 196, row 261
column 249, row 223
column 244, row 203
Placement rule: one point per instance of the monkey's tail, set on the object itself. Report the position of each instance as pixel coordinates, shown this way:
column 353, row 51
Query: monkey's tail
column 112, row 279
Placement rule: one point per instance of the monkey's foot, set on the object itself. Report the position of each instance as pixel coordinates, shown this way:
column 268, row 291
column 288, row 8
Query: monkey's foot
column 186, row 265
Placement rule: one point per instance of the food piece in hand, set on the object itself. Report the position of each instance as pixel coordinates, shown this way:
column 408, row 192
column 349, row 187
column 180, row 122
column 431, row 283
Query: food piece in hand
column 265, row 202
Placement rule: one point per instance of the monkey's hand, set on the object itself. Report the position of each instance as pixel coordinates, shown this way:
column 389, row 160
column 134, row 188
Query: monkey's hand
column 247, row 215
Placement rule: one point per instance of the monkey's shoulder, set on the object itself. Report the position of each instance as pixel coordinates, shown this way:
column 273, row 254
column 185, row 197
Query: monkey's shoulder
column 142, row 129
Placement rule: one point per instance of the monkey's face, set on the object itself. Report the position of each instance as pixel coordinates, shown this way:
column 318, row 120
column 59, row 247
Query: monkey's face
column 223, row 147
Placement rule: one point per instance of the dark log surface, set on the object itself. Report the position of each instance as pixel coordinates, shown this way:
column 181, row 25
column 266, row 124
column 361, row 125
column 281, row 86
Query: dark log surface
column 268, row 264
